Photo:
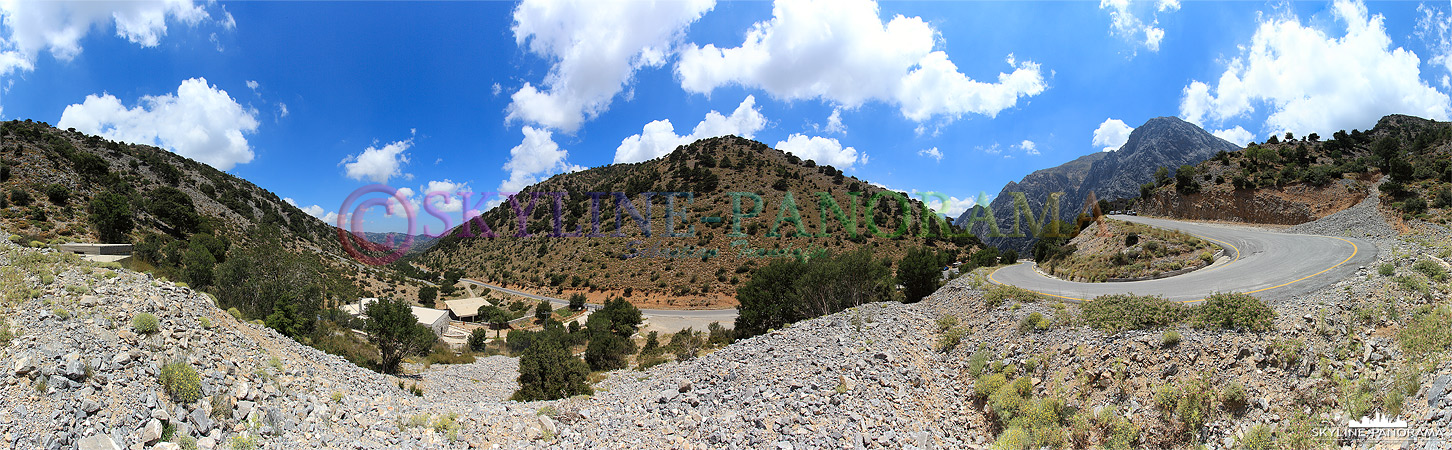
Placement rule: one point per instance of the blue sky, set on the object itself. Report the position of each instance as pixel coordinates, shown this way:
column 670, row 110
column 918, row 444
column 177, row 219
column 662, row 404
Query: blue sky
column 314, row 100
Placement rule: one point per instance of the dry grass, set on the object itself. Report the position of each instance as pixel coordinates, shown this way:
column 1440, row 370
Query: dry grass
column 1131, row 250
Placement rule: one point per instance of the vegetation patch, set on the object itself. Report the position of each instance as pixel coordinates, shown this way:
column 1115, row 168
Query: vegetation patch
column 1130, row 250
column 1120, row 312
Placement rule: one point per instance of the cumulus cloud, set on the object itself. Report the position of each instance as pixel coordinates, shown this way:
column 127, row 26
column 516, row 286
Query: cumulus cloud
column 378, row 164
column 1238, row 136
column 1028, row 147
column 842, row 52
column 932, row 153
column 1310, row 81
column 834, row 122
column 199, row 121
column 659, row 137
column 1112, row 134
column 314, row 210
column 535, row 156
column 31, row 27
column 450, row 204
column 822, row 150
column 595, row 47
column 1124, row 24
column 254, row 86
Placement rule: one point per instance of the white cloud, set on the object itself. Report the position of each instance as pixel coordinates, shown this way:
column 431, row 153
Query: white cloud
column 453, row 202
column 834, row 122
column 314, row 210
column 659, row 137
column 30, row 27
column 378, row 164
column 254, row 85
column 1124, row 24
column 822, row 150
column 841, row 52
column 1434, row 28
column 932, row 153
column 595, row 47
column 1028, row 147
column 1312, row 82
column 1112, row 134
column 1238, row 136
column 282, row 110
column 992, row 149
column 535, row 156
column 199, row 121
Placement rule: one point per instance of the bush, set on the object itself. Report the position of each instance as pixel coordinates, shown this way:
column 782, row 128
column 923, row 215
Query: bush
column 1170, row 338
column 1236, row 311
column 19, row 197
column 1120, row 312
column 608, row 351
column 950, row 339
column 919, row 272
column 1432, row 270
column 478, row 339
column 144, row 323
column 547, row 371
column 1386, row 269
column 1233, row 397
column 393, row 329
column 181, row 381
column 1033, row 323
column 946, row 322
column 987, row 384
column 577, row 302
column 58, row 194
column 1131, row 239
column 998, row 293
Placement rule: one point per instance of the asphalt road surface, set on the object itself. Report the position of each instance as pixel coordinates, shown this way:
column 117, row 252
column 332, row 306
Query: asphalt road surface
column 1265, row 264
column 665, row 320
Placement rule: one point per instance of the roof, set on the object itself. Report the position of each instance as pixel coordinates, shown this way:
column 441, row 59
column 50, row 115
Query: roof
column 358, row 307
column 466, row 307
column 429, row 316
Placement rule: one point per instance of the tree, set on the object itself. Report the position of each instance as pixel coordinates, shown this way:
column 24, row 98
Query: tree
column 1162, row 176
column 1185, row 180
column 427, row 295
column 986, row 257
column 547, row 371
column 478, row 339
column 543, row 311
column 1008, row 257
column 198, row 264
column 175, row 209
column 617, row 316
column 770, row 299
column 919, row 273
column 58, row 194
column 258, row 278
column 495, row 317
column 396, row 332
column 608, row 351
column 111, row 215
column 577, row 302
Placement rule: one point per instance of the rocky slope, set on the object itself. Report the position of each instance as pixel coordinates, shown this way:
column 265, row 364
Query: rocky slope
column 1160, row 142
column 77, row 376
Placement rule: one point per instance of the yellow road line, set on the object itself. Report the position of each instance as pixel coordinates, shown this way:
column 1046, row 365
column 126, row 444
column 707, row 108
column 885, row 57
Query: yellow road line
column 1355, row 249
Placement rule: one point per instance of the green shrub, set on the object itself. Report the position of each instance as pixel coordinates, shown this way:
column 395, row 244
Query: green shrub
column 978, row 362
column 1258, row 437
column 1010, row 399
column 145, row 323
column 478, row 339
column 1120, row 312
column 1427, row 333
column 204, row 322
column 1170, row 338
column 234, row 313
column 181, row 381
column 988, row 384
column 998, row 293
column 1432, row 270
column 1194, row 405
column 1013, row 439
column 946, row 322
column 950, row 339
column 1033, row 323
column 1386, row 269
column 1233, row 397
column 1236, row 311
column 1413, row 284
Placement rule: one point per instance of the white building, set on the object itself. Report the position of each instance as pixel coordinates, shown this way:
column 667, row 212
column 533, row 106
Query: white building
column 436, row 320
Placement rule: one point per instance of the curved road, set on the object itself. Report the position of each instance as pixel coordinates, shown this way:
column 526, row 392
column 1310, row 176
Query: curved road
column 697, row 318
column 1266, row 264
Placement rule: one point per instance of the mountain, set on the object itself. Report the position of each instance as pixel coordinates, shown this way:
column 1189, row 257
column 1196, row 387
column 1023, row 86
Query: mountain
column 703, row 264
column 1161, row 142
column 49, row 177
column 1289, row 180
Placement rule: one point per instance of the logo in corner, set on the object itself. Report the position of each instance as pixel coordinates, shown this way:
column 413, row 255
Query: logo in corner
column 1379, row 421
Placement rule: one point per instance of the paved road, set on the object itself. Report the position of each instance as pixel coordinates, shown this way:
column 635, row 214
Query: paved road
column 1266, row 264
column 668, row 320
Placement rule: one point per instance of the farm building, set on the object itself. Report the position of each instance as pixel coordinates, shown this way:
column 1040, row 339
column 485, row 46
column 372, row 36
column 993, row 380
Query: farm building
column 435, row 319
